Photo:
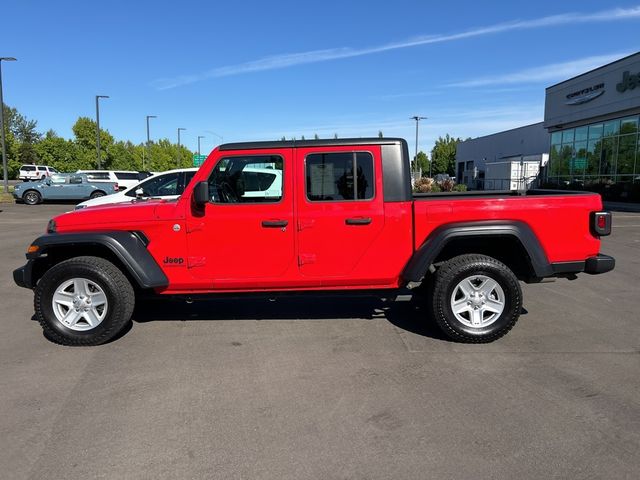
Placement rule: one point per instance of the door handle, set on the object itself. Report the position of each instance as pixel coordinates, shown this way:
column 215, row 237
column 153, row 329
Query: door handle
column 274, row 223
column 358, row 221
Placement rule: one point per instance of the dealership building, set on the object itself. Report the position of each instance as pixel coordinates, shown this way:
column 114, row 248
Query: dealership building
column 589, row 135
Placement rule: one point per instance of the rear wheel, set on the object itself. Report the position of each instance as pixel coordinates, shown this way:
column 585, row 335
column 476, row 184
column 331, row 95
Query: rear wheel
column 476, row 299
column 31, row 197
column 97, row 194
column 83, row 301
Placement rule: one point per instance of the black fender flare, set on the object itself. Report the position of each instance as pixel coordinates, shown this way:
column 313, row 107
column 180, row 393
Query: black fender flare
column 425, row 256
column 129, row 247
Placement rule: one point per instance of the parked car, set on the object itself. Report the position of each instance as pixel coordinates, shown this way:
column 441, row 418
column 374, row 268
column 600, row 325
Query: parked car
column 35, row 172
column 61, row 186
column 344, row 219
column 168, row 185
column 123, row 178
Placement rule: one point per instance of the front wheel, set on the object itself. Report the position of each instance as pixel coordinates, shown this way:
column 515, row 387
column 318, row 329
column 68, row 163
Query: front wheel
column 83, row 301
column 31, row 197
column 476, row 299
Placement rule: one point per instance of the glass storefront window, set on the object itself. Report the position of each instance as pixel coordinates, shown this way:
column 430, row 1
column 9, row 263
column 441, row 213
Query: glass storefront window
column 608, row 155
column 579, row 161
column 626, row 154
column 594, row 147
column 566, row 155
column 581, row 134
column 595, row 131
column 603, row 157
column 611, row 128
column 628, row 125
column 567, row 135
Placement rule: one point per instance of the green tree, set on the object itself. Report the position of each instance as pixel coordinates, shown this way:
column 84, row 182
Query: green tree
column 422, row 163
column 443, row 155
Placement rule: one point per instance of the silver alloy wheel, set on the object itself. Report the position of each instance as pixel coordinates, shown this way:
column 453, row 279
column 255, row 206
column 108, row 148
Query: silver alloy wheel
column 80, row 304
column 477, row 301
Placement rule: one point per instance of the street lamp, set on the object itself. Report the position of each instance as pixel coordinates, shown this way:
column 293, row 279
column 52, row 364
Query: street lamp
column 148, row 139
column 98, row 97
column 415, row 159
column 199, row 137
column 178, row 161
column 2, row 127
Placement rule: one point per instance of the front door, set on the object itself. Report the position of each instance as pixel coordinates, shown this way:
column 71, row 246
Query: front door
column 340, row 212
column 245, row 236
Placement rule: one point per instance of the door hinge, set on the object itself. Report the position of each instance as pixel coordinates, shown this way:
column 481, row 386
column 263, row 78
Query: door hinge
column 302, row 224
column 196, row 262
column 194, row 227
column 306, row 259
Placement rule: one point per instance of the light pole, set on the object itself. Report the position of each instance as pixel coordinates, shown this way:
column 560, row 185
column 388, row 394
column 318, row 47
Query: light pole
column 148, row 139
column 98, row 97
column 5, row 169
column 417, row 118
column 199, row 137
column 214, row 133
column 178, row 161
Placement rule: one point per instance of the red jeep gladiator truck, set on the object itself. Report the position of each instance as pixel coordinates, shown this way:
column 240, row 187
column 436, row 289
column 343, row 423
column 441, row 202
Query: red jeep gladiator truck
column 317, row 215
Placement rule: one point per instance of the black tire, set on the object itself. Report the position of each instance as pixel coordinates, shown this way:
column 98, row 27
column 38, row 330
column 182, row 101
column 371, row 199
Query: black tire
column 97, row 193
column 43, row 177
column 117, row 288
column 449, row 276
column 31, row 197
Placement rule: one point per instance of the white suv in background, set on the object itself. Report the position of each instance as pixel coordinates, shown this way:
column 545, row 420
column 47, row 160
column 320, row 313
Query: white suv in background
column 124, row 178
column 168, row 185
column 35, row 172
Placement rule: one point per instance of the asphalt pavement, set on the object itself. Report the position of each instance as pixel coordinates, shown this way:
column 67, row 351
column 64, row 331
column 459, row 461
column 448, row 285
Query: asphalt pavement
column 328, row 389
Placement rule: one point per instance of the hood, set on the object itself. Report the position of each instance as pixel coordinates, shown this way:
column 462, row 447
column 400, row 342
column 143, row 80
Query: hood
column 108, row 216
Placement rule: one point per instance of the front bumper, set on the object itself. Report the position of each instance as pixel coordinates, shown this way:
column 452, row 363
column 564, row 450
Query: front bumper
column 23, row 276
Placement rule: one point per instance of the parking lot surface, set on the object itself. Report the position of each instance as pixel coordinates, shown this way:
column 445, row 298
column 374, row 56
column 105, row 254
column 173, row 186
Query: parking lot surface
column 315, row 388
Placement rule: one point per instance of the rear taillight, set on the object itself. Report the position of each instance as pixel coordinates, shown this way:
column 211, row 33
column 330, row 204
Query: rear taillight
column 600, row 223
column 115, row 187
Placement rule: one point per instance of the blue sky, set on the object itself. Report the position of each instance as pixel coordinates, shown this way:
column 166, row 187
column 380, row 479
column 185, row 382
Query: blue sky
column 261, row 70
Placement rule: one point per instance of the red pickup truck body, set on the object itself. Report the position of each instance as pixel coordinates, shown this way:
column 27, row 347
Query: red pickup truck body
column 195, row 245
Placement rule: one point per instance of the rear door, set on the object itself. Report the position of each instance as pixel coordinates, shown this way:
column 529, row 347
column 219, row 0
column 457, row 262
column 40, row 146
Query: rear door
column 340, row 211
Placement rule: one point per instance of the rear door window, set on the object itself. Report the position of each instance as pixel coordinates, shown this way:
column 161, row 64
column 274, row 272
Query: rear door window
column 29, row 168
column 127, row 175
column 330, row 176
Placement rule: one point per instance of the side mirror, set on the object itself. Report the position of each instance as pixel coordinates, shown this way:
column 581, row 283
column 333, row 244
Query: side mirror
column 48, row 181
column 201, row 194
column 139, row 193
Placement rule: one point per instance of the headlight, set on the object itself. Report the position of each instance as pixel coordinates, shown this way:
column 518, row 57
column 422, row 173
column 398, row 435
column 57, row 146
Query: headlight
column 51, row 226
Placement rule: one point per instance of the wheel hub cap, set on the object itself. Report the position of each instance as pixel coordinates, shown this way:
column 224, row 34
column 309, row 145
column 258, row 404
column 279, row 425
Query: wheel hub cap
column 80, row 304
column 477, row 301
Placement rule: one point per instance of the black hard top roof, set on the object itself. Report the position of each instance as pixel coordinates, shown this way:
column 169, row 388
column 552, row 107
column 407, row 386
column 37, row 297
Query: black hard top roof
column 311, row 143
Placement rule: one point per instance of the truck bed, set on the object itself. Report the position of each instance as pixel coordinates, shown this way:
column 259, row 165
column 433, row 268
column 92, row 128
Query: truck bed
column 558, row 218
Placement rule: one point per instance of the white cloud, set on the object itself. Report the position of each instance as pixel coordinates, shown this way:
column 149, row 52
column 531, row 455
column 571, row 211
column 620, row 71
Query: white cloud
column 315, row 56
column 544, row 73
